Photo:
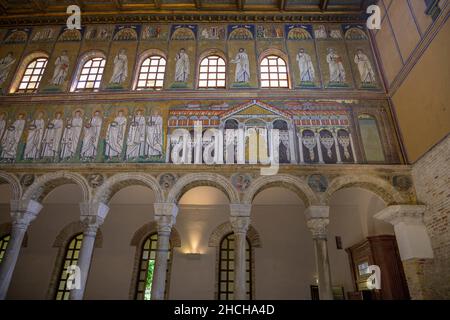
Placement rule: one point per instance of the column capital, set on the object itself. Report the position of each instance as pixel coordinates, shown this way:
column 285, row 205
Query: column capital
column 240, row 209
column 24, row 211
column 93, row 215
column 240, row 224
column 408, row 214
column 164, row 223
column 165, row 209
column 317, row 220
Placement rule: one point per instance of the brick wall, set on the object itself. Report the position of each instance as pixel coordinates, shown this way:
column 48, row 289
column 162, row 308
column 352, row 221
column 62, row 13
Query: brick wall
column 432, row 181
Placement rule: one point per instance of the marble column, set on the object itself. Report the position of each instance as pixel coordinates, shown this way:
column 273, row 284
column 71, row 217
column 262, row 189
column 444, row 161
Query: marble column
column 300, row 148
column 414, row 244
column 165, row 216
column 240, row 221
column 317, row 220
column 319, row 147
column 92, row 217
column 23, row 212
column 338, row 151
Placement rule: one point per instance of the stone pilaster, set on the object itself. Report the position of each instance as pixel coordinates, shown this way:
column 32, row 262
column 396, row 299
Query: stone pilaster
column 413, row 242
column 240, row 221
column 317, row 220
column 23, row 212
column 92, row 217
column 165, row 216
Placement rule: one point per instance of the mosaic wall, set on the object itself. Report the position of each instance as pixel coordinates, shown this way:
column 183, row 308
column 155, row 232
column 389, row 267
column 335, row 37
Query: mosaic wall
column 323, row 131
column 319, row 56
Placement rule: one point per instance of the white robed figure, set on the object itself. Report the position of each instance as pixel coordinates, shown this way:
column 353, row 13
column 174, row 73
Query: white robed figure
column 364, row 67
column 5, row 66
column 61, row 69
column 115, row 136
column 305, row 66
column 182, row 66
column 242, row 73
column 2, row 125
column 11, row 138
column 91, row 137
column 136, row 144
column 52, row 137
column 34, row 139
column 154, row 135
column 69, row 142
column 337, row 71
column 120, row 71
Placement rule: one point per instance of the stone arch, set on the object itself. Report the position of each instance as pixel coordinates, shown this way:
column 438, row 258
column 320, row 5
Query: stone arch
column 61, row 242
column 377, row 185
column 150, row 228
column 122, row 180
column 202, row 179
column 14, row 184
column 289, row 182
column 48, row 182
column 226, row 228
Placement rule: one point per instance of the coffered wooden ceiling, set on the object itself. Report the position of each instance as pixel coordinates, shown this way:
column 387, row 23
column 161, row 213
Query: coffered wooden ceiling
column 28, row 9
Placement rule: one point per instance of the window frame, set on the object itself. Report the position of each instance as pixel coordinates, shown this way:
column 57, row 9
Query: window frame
column 41, row 70
column 63, row 268
column 139, row 72
column 4, row 244
column 211, row 56
column 140, row 260
column 82, row 61
column 271, row 56
column 249, row 261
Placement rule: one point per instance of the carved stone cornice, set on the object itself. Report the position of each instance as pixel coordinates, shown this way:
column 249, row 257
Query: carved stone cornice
column 409, row 214
column 240, row 209
column 182, row 95
column 186, row 17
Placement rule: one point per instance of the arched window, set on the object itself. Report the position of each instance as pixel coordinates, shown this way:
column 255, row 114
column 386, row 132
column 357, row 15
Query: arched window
column 147, row 266
column 70, row 258
column 274, row 73
column 32, row 76
column 212, row 72
column 151, row 73
column 3, row 244
column 90, row 76
column 226, row 268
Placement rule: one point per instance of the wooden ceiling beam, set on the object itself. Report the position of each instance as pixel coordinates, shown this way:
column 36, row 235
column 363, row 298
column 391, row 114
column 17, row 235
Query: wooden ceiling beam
column 3, row 7
column 119, row 4
column 157, row 4
column 198, row 4
column 282, row 4
column 324, row 5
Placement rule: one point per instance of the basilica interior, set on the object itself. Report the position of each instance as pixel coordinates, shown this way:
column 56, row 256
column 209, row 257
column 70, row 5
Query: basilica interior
column 224, row 150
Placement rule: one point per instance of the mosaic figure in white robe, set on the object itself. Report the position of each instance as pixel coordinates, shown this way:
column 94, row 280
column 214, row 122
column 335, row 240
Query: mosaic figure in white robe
column 2, row 125
column 5, row 66
column 34, row 139
column 305, row 66
column 91, row 137
column 11, row 138
column 120, row 71
column 115, row 136
column 136, row 143
column 336, row 67
column 154, row 135
column 364, row 67
column 52, row 137
column 61, row 69
column 242, row 73
column 69, row 142
column 182, row 66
